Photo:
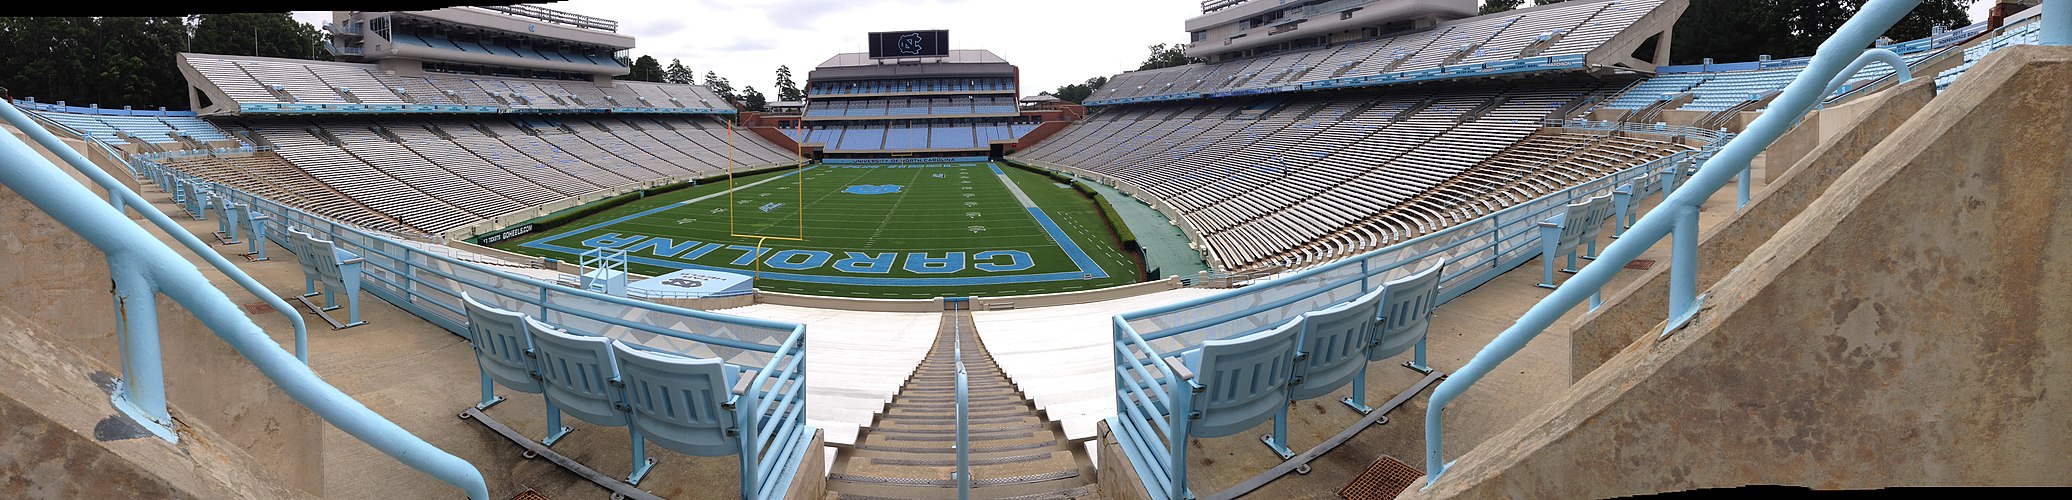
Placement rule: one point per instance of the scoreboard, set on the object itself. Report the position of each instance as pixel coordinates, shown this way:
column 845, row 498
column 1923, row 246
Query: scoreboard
column 922, row 43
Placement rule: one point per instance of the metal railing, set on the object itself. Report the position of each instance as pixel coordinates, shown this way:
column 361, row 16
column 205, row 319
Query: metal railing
column 1677, row 215
column 1152, row 431
column 429, row 285
column 142, row 268
column 963, row 406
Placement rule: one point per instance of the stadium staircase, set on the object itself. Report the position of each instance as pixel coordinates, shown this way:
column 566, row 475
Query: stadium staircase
column 1015, row 451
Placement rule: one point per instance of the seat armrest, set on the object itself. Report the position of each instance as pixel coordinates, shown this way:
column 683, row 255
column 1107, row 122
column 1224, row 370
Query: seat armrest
column 1554, row 221
column 351, row 261
column 741, row 385
column 1179, row 367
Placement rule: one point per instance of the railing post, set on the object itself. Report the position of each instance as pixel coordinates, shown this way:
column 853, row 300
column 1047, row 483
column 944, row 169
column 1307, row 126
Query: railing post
column 143, row 367
column 1683, row 267
column 1741, row 187
column 2057, row 23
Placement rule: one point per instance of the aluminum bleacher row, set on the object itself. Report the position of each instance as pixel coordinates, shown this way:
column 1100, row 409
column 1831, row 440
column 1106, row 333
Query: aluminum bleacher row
column 1568, row 30
column 1290, row 181
column 914, row 137
column 914, row 86
column 433, row 174
column 960, row 105
column 439, row 42
column 2025, row 34
column 157, row 130
column 1717, row 87
column 281, row 85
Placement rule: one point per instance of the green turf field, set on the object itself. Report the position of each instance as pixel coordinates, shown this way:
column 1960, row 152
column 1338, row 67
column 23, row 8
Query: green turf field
column 875, row 231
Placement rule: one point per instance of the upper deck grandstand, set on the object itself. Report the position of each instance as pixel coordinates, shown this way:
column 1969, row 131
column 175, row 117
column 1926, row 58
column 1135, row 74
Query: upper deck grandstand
column 1290, row 245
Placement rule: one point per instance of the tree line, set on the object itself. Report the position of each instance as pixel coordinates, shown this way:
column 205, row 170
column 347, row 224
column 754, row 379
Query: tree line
column 130, row 61
column 648, row 69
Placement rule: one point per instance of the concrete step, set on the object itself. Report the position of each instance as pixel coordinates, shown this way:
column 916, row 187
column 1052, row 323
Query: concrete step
column 910, row 451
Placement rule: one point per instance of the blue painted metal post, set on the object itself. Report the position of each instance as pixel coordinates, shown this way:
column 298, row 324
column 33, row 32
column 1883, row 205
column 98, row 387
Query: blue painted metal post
column 1683, row 265
column 1741, row 183
column 2057, row 23
column 143, row 368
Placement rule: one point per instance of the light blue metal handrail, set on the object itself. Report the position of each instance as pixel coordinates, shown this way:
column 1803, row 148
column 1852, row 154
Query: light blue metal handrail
column 121, row 196
column 1678, row 212
column 1890, row 58
column 963, row 410
column 142, row 267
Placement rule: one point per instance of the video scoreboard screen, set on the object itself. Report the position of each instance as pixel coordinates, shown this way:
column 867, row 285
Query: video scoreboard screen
column 924, row 43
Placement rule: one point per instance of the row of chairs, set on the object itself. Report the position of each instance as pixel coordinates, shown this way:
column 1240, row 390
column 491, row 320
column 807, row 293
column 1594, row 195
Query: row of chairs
column 1237, row 383
column 686, row 405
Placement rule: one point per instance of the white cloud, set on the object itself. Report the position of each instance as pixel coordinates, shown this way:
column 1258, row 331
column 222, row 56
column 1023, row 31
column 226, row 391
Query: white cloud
column 1054, row 42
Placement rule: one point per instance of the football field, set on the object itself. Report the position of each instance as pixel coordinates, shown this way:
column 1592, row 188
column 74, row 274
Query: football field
column 874, row 231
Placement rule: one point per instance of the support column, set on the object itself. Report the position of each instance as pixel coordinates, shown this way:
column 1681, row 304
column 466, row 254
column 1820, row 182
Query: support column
column 2057, row 22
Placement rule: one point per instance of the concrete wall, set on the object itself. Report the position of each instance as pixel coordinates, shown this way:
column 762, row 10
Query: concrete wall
column 1642, row 307
column 56, row 280
column 62, row 438
column 1907, row 329
column 1118, row 480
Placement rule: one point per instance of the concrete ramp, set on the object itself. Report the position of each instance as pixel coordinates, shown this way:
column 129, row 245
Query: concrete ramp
column 1910, row 327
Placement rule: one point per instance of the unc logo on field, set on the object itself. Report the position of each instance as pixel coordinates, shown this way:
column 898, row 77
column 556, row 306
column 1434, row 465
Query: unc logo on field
column 870, row 189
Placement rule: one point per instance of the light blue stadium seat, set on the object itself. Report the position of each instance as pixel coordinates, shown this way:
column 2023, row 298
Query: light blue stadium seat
column 1332, row 352
column 1566, row 233
column 1407, row 304
column 1237, row 383
column 685, row 405
column 579, row 376
column 298, row 242
column 504, row 354
column 340, row 270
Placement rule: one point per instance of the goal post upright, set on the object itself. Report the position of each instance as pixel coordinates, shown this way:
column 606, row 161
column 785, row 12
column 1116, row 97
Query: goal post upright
column 733, row 230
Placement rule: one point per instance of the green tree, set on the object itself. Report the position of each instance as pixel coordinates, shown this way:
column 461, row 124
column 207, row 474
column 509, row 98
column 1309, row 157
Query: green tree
column 720, row 86
column 678, row 74
column 1741, row 30
column 274, row 34
column 645, row 69
column 1495, row 6
column 752, row 100
column 1079, row 92
column 788, row 90
column 111, row 61
column 1166, row 56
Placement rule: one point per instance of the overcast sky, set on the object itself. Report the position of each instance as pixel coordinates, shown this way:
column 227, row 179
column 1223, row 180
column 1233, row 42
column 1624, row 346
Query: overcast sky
column 1054, row 42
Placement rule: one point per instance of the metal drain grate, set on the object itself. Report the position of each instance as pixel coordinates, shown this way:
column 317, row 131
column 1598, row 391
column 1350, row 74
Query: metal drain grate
column 951, row 461
column 1080, row 492
column 974, row 432
column 974, row 449
column 973, row 437
column 947, row 483
column 528, row 495
column 1031, row 478
column 1384, row 479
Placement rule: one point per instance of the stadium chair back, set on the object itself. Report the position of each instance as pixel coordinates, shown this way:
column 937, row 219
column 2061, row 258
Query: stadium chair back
column 579, row 374
column 1334, row 346
column 681, row 403
column 502, row 348
column 1244, row 380
column 1406, row 312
